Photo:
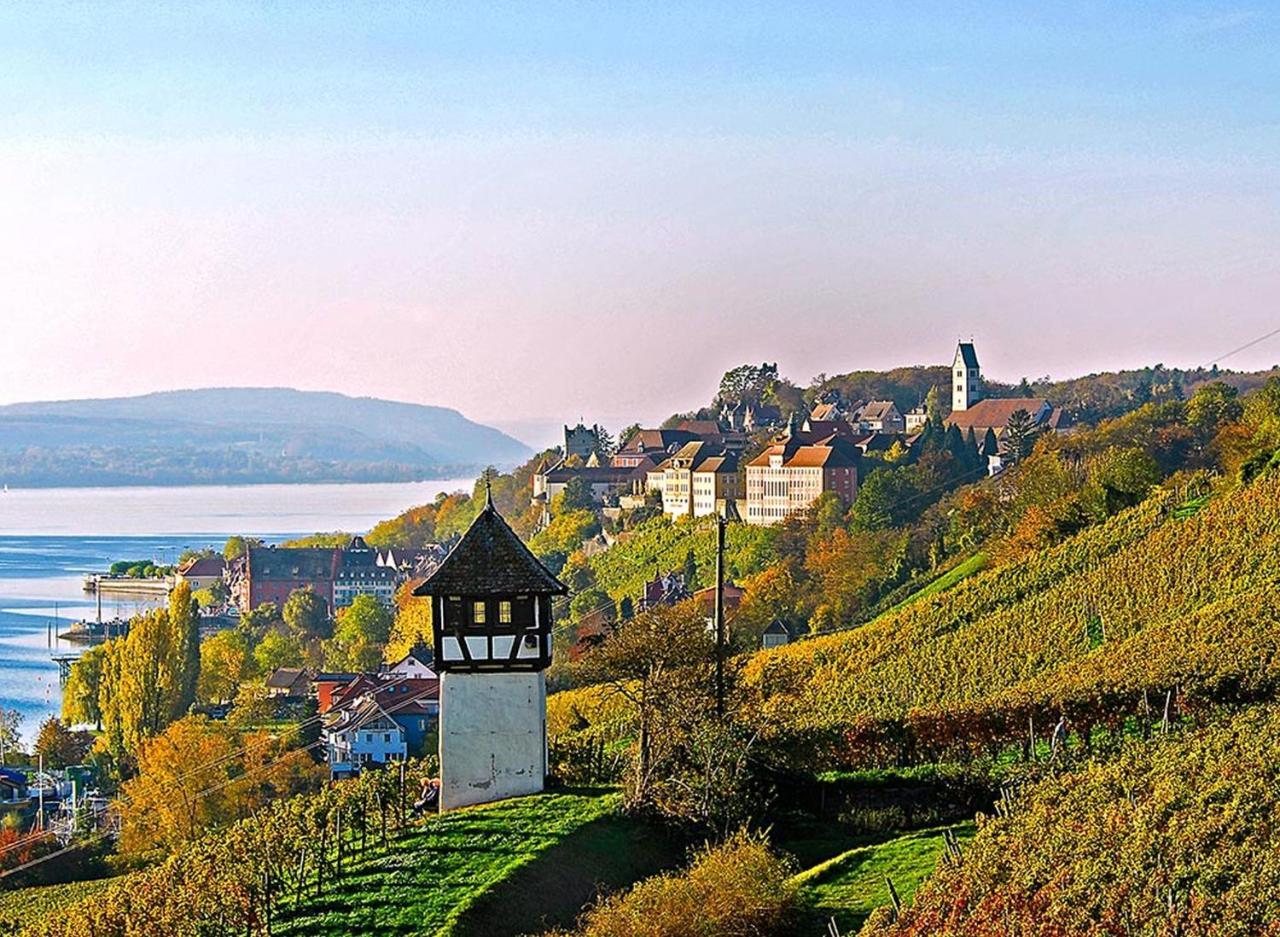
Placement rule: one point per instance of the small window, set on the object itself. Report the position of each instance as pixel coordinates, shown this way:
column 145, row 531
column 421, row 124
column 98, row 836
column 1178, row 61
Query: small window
column 477, row 613
column 504, row 613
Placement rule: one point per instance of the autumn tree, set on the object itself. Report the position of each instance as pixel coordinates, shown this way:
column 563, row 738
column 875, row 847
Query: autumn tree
column 361, row 633
column 657, row 661
column 277, row 649
column 306, row 614
column 412, row 625
column 60, row 746
column 80, row 695
column 225, row 662
column 197, row 776
column 184, row 624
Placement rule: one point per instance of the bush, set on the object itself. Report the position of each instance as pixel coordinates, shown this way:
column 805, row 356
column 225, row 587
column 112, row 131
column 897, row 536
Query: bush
column 737, row 889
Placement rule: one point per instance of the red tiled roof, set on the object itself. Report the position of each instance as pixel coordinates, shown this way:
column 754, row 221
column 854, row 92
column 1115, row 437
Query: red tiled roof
column 994, row 412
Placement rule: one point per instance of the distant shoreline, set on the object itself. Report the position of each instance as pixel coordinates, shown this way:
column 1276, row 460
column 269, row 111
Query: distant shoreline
column 90, row 484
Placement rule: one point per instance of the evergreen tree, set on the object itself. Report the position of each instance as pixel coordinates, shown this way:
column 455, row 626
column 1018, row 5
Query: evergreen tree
column 1019, row 436
column 690, row 571
column 955, row 447
column 975, row 454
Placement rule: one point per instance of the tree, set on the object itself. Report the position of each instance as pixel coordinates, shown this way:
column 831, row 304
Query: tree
column 886, row 499
column 747, row 383
column 690, row 571
column 10, row 732
column 224, row 665
column 214, row 595
column 198, row 776
column 264, row 618
column 412, row 624
column 1020, row 436
column 277, row 650
column 235, row 548
column 306, row 615
column 933, row 406
column 80, row 695
column 362, row 631
column 657, row 661
column 1211, row 407
column 60, row 746
column 576, row 496
column 184, row 623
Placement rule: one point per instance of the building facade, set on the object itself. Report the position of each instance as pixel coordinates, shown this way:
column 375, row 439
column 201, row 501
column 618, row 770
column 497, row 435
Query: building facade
column 791, row 474
column 698, row 480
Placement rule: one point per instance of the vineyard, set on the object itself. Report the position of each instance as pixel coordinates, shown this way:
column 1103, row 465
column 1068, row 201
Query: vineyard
column 1175, row 836
column 239, row 880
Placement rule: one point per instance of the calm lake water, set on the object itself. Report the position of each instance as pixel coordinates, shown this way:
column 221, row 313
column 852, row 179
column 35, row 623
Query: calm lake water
column 49, row 538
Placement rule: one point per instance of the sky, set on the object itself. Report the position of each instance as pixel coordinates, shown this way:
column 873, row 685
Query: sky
column 540, row 212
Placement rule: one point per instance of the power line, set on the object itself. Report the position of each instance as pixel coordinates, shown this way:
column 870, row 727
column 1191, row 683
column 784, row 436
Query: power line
column 1246, row 345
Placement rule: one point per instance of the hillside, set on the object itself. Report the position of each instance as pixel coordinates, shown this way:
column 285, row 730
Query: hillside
column 241, row 435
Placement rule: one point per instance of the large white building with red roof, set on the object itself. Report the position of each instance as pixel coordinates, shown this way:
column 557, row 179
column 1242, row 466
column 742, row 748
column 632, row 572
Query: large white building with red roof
column 795, row 470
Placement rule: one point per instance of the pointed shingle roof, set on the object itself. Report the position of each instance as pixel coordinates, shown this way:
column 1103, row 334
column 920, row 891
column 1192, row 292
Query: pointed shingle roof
column 491, row 559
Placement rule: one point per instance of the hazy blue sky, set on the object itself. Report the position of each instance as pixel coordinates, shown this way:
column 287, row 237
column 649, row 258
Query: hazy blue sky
column 560, row 210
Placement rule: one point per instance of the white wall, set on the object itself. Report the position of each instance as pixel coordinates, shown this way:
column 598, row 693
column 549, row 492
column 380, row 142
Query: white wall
column 493, row 737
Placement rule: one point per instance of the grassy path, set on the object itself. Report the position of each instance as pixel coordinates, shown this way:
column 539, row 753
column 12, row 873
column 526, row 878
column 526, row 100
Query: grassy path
column 434, row 879
column 852, row 885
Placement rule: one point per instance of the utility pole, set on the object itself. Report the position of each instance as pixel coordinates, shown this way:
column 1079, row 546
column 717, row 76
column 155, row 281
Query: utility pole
column 40, row 794
column 720, row 525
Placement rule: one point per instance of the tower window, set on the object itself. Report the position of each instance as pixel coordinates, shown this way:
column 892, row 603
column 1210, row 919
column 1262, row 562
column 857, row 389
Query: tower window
column 504, row 612
column 477, row 613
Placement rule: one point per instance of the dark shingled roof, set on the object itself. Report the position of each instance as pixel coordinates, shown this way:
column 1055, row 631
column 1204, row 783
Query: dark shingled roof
column 968, row 355
column 490, row 560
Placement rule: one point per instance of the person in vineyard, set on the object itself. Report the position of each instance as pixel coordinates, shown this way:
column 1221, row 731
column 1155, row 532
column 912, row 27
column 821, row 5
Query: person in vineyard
column 1059, row 739
column 429, row 797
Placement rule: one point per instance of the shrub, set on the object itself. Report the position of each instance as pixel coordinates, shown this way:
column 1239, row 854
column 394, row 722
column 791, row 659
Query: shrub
column 737, row 889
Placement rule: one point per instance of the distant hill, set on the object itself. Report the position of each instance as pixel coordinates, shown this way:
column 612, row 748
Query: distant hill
column 241, row 435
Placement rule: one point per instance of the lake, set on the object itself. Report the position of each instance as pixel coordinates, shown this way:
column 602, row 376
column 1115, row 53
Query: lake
column 51, row 537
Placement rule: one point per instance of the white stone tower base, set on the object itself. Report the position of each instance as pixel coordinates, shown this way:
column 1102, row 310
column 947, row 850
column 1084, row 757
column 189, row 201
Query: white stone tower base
column 493, row 736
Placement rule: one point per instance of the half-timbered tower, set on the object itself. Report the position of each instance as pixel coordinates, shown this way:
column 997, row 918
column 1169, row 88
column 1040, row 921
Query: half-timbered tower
column 491, row 624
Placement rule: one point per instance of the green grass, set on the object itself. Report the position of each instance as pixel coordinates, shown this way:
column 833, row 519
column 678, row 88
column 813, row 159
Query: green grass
column 22, row 906
column 852, row 885
column 481, row 871
column 974, row 564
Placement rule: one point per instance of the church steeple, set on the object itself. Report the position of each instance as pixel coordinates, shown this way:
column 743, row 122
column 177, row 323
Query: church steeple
column 966, row 378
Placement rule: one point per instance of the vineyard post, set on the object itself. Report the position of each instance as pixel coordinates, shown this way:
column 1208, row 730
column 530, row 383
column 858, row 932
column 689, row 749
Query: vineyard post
column 337, row 836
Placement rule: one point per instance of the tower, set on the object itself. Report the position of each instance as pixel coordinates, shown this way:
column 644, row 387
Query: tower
column 966, row 378
column 491, row 625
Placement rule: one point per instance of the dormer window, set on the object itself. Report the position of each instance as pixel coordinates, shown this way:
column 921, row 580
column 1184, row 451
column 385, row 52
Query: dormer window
column 504, row 613
column 477, row 613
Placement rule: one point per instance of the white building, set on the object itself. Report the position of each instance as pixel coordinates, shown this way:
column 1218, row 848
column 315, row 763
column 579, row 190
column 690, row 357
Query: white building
column 365, row 734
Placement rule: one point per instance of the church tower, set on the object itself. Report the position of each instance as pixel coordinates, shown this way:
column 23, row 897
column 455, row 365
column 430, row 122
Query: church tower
column 966, row 378
column 491, row 625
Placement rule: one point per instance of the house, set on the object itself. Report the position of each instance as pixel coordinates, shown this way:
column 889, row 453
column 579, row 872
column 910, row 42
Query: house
column 777, row 634
column 916, row 417
column 970, row 410
column 789, row 475
column 359, row 573
column 881, row 416
column 336, row 574
column 603, row 481
column 362, row 736
column 326, row 684
column 379, row 718
column 13, row 786
column 202, row 572
column 271, row 574
column 698, row 479
column 663, row 590
column 416, row 664
column 744, row 417
column 706, row 598
column 993, row 414
column 289, row 683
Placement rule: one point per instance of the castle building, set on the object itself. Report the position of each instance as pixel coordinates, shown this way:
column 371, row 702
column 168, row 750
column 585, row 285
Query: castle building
column 491, row 626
